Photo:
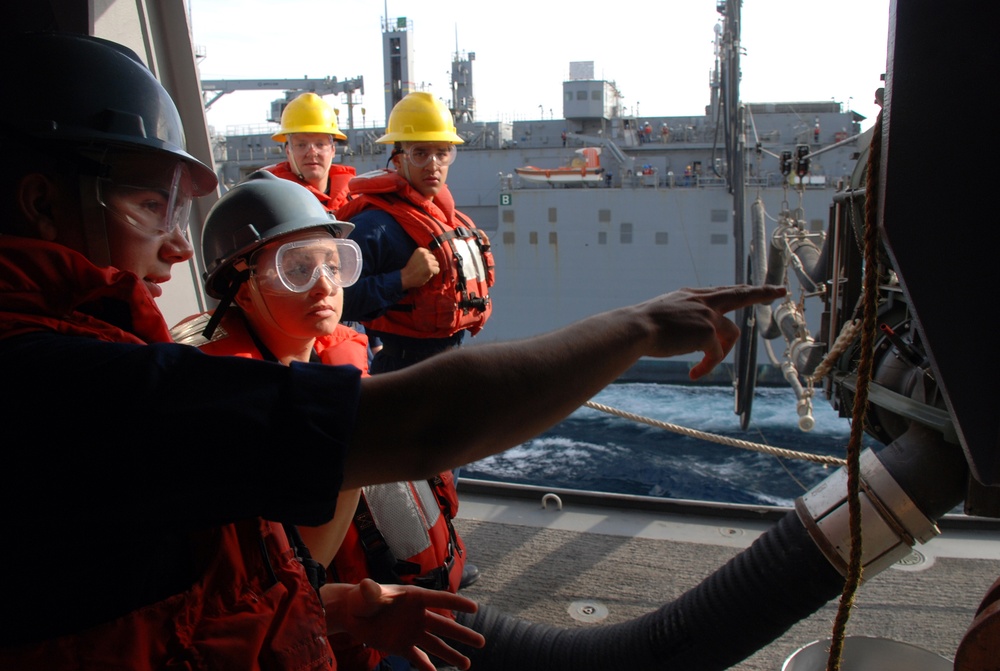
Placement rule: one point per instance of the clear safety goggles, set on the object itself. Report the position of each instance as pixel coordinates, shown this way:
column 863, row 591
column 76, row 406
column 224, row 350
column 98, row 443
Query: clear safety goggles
column 297, row 266
column 421, row 155
column 156, row 204
column 303, row 146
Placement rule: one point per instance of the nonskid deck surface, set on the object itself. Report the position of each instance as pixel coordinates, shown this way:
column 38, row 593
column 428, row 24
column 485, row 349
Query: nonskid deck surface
column 587, row 565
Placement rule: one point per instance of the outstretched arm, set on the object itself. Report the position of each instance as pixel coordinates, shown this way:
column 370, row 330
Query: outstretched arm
column 399, row 619
column 324, row 541
column 464, row 405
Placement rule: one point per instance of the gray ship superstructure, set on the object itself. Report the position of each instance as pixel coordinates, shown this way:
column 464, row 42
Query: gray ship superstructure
column 669, row 211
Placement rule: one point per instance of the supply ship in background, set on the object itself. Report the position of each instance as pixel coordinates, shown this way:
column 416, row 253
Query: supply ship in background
column 576, row 580
column 600, row 209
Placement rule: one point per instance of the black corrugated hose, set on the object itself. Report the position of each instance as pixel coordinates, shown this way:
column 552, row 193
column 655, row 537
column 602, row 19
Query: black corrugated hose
column 749, row 602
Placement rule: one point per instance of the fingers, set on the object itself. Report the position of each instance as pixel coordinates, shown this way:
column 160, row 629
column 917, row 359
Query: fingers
column 727, row 299
column 722, row 300
column 448, row 601
column 439, row 628
column 444, row 652
column 371, row 591
column 419, row 660
column 431, row 261
column 445, row 627
column 432, row 641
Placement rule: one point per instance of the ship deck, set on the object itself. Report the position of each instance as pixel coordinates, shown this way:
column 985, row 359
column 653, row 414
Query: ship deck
column 621, row 556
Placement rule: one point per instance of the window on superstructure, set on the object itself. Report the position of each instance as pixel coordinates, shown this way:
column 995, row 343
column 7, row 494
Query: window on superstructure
column 508, row 237
column 553, row 218
column 602, row 237
column 508, row 216
column 719, row 216
column 553, row 238
column 604, row 216
column 719, row 239
column 533, row 238
column 625, row 234
column 581, row 95
column 661, row 237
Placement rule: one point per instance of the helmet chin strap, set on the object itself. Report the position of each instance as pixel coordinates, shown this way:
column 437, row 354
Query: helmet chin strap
column 95, row 228
column 225, row 302
column 291, row 161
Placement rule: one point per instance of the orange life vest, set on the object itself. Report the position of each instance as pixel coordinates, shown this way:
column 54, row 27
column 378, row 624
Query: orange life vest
column 386, row 546
column 336, row 192
column 231, row 338
column 252, row 609
column 402, row 532
column 456, row 298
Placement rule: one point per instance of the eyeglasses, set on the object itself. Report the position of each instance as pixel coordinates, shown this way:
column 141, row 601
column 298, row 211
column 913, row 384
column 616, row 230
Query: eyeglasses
column 297, row 266
column 318, row 145
column 421, row 155
column 153, row 209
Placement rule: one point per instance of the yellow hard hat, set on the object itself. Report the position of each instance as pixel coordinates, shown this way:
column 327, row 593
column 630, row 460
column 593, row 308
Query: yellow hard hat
column 308, row 114
column 419, row 117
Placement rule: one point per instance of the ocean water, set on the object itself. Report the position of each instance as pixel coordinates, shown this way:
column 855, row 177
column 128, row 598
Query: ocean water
column 594, row 450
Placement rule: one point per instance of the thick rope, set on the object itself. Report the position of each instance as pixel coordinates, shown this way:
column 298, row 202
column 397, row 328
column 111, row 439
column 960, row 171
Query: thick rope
column 865, row 364
column 847, row 335
column 733, row 442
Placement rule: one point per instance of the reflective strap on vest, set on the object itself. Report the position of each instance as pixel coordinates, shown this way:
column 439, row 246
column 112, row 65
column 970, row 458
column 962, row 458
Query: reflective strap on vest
column 383, row 564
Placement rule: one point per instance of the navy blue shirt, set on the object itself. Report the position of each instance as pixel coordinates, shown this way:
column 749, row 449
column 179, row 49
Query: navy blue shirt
column 385, row 249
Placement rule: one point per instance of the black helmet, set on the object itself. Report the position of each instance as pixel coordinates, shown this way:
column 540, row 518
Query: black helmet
column 252, row 213
column 92, row 93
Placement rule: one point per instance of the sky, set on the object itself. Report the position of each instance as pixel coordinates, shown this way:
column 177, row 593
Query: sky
column 660, row 57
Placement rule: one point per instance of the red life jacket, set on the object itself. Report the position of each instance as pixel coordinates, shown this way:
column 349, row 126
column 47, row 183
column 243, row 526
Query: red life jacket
column 386, row 546
column 429, row 553
column 340, row 176
column 248, row 611
column 253, row 607
column 402, row 532
column 344, row 346
column 384, row 543
column 49, row 287
column 456, row 298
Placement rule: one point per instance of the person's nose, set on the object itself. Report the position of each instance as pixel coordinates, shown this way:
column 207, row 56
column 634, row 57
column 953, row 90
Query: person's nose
column 176, row 247
column 324, row 287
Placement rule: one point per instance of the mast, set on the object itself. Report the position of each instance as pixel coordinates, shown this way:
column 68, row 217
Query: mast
column 731, row 110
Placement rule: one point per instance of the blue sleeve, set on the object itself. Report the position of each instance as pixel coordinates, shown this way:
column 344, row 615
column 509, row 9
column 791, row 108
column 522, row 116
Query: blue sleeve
column 165, row 434
column 385, row 249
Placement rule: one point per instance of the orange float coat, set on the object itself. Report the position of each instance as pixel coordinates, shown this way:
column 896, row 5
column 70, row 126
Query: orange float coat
column 336, row 191
column 456, row 298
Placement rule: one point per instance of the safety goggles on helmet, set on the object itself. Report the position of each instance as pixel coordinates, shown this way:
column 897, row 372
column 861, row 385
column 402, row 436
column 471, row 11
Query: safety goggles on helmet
column 156, row 204
column 296, row 266
column 303, row 145
column 422, row 154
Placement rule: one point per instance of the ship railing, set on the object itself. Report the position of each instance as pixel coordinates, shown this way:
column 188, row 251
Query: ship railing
column 670, row 181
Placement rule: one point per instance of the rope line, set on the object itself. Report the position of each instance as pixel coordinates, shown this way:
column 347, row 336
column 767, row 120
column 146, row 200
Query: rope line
column 724, row 440
column 870, row 280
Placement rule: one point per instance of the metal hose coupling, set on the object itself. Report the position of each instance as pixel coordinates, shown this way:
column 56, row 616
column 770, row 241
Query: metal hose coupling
column 890, row 521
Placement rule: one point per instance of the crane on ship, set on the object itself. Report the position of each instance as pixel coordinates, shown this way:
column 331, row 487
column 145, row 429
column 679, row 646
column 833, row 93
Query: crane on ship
column 213, row 89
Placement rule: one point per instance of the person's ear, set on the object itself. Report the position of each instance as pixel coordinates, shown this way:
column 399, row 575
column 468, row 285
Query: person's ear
column 36, row 199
